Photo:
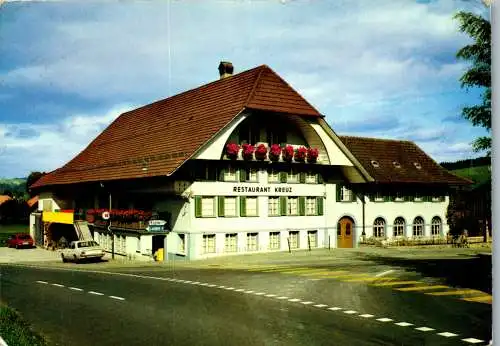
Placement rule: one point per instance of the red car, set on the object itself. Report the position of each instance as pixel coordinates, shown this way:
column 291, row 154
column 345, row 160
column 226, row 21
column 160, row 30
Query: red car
column 20, row 240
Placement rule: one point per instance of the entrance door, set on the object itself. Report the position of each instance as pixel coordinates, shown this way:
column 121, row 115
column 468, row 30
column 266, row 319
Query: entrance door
column 345, row 230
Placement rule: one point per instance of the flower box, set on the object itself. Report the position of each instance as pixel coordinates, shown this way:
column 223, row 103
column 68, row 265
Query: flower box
column 261, row 152
column 274, row 152
column 300, row 154
column 232, row 150
column 312, row 155
column 247, row 151
column 287, row 153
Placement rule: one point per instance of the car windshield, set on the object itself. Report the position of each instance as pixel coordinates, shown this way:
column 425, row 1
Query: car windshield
column 23, row 236
column 87, row 244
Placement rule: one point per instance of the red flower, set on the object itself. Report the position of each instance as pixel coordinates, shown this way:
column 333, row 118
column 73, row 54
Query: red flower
column 300, row 154
column 274, row 152
column 312, row 155
column 232, row 150
column 248, row 150
column 288, row 153
column 261, row 152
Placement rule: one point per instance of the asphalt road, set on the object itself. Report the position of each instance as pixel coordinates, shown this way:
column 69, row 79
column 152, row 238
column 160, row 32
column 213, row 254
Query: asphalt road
column 182, row 306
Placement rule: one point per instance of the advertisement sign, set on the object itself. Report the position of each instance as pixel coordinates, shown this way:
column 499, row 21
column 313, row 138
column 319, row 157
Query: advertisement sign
column 157, row 226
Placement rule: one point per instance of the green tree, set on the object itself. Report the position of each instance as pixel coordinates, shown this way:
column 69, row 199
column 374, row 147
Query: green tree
column 32, row 178
column 479, row 73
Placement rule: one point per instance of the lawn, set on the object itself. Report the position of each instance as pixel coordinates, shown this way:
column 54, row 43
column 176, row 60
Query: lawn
column 16, row 331
column 479, row 174
column 6, row 230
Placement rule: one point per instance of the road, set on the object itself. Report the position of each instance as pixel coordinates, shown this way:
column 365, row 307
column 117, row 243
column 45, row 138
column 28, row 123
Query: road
column 293, row 304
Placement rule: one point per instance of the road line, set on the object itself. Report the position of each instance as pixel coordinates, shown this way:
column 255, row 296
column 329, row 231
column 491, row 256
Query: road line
column 282, row 297
column 350, row 312
column 403, row 324
column 238, row 290
column 58, row 285
column 75, row 289
column 118, row 298
column 424, row 329
column 335, row 308
column 421, row 288
column 248, row 292
column 212, row 285
column 307, row 303
column 270, row 295
column 395, row 283
column 42, row 282
column 221, row 286
column 188, row 281
column 447, row 334
column 96, row 293
column 260, row 293
column 472, row 340
column 294, row 300
column 320, row 305
column 384, row 319
column 384, row 273
column 366, row 316
column 456, row 292
column 229, row 288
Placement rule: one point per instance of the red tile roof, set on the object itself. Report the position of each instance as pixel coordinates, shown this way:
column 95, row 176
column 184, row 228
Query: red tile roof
column 387, row 152
column 4, row 198
column 32, row 201
column 164, row 134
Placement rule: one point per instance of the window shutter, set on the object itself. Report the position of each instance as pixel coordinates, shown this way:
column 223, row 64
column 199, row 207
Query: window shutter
column 283, row 201
column 338, row 187
column 243, row 174
column 221, row 174
column 302, row 206
column 283, row 177
column 197, row 206
column 320, row 178
column 302, row 177
column 221, row 205
column 319, row 205
column 243, row 206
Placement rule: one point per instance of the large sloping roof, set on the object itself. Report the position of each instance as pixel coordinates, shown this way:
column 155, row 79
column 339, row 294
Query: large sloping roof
column 388, row 152
column 164, row 134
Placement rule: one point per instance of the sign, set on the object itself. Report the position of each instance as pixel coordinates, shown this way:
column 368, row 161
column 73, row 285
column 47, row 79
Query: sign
column 157, row 226
column 105, row 215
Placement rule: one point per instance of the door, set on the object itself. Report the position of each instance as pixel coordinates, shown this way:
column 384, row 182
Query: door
column 345, row 230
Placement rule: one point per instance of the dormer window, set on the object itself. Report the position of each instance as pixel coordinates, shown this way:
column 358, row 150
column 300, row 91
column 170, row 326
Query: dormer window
column 375, row 164
column 417, row 165
column 396, row 164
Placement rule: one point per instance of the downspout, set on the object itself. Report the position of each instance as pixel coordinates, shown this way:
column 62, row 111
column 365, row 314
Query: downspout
column 363, row 202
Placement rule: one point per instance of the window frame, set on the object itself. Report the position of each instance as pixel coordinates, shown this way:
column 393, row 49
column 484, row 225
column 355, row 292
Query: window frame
column 275, row 239
column 214, row 208
column 205, row 243
column 277, row 200
column 230, row 236
column 436, row 222
column 254, row 238
column 289, row 205
column 379, row 228
column 416, row 226
column 397, row 225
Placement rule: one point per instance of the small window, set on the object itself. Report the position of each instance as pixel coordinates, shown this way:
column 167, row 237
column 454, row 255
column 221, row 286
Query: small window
column 312, row 238
column 418, row 227
column 293, row 206
column 274, row 206
column 230, row 244
column 379, row 228
column 417, row 165
column 345, row 194
column 251, row 206
column 252, row 174
column 311, row 178
column 294, row 239
column 379, row 196
column 209, row 243
column 230, row 174
column 230, row 206
column 252, row 244
column 436, row 226
column 375, row 164
column 273, row 176
column 311, row 206
column 293, row 176
column 182, row 243
column 396, row 164
column 208, row 206
column 399, row 227
column 398, row 197
column 274, row 240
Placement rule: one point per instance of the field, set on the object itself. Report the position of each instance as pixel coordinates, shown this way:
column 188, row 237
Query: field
column 479, row 174
column 6, row 230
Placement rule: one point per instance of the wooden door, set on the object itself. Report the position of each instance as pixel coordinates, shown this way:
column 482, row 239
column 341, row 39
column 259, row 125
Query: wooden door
column 345, row 230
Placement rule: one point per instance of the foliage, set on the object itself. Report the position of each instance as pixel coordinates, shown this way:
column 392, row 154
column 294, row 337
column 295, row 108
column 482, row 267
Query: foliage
column 15, row 331
column 300, row 154
column 248, row 151
column 287, row 153
column 479, row 175
column 232, row 150
column 261, row 152
column 479, row 74
column 32, row 178
column 14, row 211
column 479, row 161
column 14, row 187
column 274, row 152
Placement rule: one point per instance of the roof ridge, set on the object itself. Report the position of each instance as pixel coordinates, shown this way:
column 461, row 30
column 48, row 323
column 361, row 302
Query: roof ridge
column 252, row 92
column 378, row 139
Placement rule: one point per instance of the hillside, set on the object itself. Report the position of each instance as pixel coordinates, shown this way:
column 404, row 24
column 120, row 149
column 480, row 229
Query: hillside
column 15, row 185
column 479, row 175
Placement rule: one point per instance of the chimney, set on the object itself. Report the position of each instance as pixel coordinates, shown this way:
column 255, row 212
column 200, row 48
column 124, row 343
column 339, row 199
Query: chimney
column 225, row 69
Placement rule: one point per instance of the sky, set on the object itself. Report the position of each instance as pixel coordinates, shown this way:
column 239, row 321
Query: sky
column 380, row 68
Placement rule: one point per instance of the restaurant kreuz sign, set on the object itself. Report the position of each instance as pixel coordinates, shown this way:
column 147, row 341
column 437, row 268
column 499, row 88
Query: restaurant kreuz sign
column 263, row 189
column 271, row 190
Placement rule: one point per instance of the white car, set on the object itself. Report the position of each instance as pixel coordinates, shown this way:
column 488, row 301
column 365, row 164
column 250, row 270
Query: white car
column 82, row 249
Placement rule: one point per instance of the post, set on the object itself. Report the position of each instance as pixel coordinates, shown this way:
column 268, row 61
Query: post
column 329, row 240
column 289, row 248
column 109, row 229
column 309, row 242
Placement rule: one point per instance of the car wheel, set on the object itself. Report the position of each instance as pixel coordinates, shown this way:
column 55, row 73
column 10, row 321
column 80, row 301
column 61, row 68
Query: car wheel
column 64, row 258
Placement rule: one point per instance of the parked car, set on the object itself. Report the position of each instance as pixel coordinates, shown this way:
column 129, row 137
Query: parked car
column 20, row 240
column 82, row 249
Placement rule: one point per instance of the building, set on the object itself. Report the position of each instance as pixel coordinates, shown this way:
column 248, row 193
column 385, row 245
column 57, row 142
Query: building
column 243, row 164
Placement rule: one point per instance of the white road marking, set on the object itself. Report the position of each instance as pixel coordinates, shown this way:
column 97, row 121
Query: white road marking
column 75, row 289
column 239, row 290
column 118, row 298
column 229, row 288
column 384, row 319
column 403, row 324
column 334, row 308
column 221, row 286
column 58, row 285
column 249, row 292
column 320, row 305
column 447, row 334
column 270, row 295
column 42, row 282
column 350, row 312
column 212, row 285
column 472, row 340
column 196, row 283
column 424, row 329
column 384, row 273
column 96, row 293
column 260, row 293
column 366, row 315
column 188, row 281
column 294, row 300
column 282, row 297
column 307, row 303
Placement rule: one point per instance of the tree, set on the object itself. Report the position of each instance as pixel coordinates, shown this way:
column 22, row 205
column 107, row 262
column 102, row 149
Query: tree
column 32, row 178
column 479, row 74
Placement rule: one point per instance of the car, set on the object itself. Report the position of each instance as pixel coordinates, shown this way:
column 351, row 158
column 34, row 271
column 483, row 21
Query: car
column 20, row 240
column 82, row 249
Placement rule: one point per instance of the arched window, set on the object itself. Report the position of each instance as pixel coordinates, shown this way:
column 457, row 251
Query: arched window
column 436, row 226
column 399, row 227
column 379, row 227
column 418, row 227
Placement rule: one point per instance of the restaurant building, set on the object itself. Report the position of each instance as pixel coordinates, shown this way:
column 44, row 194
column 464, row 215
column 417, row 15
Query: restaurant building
column 240, row 165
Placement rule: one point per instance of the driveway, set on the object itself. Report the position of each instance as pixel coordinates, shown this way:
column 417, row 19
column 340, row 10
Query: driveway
column 8, row 255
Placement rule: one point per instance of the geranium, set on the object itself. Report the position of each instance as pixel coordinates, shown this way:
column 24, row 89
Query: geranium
column 261, row 152
column 312, row 155
column 232, row 150
column 288, row 153
column 274, row 152
column 300, row 154
column 248, row 150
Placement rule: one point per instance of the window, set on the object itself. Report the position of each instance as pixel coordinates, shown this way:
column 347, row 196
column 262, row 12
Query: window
column 209, row 243
column 396, row 164
column 379, row 228
column 292, row 207
column 249, row 133
column 230, row 174
column 311, row 178
column 417, row 165
column 252, row 174
column 230, row 206
column 399, row 227
column 252, row 242
column 294, row 239
column 418, row 227
column 182, row 243
column 375, row 164
column 378, row 197
column 398, row 197
column 251, row 206
column 208, row 206
column 273, row 176
column 311, row 206
column 274, row 206
column 274, row 240
column 345, row 194
column 293, row 176
column 312, row 238
column 418, row 197
column 230, row 244
column 436, row 226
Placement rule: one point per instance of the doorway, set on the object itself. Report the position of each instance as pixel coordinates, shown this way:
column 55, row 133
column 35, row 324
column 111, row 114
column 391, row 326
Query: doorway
column 345, row 230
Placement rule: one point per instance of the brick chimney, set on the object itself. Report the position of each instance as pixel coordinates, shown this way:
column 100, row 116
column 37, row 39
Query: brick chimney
column 225, row 69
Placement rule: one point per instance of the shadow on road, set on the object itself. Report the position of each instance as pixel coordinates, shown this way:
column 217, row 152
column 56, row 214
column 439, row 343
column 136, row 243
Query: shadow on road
column 473, row 272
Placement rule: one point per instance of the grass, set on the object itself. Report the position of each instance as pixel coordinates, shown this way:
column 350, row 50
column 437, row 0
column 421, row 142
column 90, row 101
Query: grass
column 479, row 174
column 15, row 331
column 7, row 230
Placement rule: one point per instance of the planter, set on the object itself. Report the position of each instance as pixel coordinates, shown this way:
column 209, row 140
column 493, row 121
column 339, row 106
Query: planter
column 274, row 152
column 247, row 151
column 312, row 155
column 300, row 154
column 261, row 152
column 287, row 153
column 232, row 150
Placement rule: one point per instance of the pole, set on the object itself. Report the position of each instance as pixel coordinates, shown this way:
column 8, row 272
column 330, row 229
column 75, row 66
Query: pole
column 289, row 248
column 309, row 242
column 109, row 229
column 329, row 242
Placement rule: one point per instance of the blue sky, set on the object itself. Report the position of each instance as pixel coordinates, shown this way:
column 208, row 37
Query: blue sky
column 374, row 68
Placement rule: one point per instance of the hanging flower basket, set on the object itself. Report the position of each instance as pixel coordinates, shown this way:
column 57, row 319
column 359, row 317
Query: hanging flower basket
column 288, row 153
column 274, row 152
column 312, row 155
column 300, row 154
column 248, row 151
column 261, row 152
column 232, row 150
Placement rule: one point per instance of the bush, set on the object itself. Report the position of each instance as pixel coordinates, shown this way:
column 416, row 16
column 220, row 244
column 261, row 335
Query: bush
column 15, row 331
